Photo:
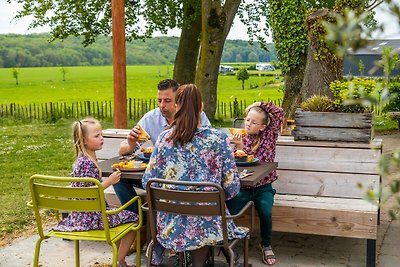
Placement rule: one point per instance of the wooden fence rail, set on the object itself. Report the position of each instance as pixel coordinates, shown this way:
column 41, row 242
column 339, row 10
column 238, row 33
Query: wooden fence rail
column 103, row 110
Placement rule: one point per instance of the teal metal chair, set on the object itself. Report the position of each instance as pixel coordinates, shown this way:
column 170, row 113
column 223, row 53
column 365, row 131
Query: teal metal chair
column 47, row 193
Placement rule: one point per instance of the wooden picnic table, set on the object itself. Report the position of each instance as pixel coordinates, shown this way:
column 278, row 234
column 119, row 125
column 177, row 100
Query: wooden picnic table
column 260, row 170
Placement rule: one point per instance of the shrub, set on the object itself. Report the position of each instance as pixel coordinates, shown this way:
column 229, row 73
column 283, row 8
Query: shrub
column 353, row 89
column 317, row 103
column 394, row 103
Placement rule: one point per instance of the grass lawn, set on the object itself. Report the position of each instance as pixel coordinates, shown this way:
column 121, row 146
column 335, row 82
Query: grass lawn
column 42, row 85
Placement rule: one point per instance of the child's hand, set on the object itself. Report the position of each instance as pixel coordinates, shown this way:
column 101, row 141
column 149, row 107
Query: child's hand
column 255, row 104
column 115, row 177
column 237, row 139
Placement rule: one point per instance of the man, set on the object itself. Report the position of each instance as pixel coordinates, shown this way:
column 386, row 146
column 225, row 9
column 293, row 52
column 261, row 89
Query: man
column 153, row 122
column 156, row 120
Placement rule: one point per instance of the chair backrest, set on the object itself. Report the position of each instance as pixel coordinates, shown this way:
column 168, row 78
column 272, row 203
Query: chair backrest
column 238, row 123
column 185, row 198
column 55, row 193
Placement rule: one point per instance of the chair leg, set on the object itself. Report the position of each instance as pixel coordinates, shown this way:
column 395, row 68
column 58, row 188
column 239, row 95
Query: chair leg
column 115, row 254
column 246, row 251
column 138, row 247
column 77, row 261
column 149, row 252
column 212, row 255
column 231, row 258
column 37, row 252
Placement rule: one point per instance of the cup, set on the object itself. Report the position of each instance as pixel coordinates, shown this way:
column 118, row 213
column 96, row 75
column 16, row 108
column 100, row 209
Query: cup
column 137, row 164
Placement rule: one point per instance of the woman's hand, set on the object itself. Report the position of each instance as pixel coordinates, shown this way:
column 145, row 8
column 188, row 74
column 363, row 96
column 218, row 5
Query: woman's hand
column 255, row 104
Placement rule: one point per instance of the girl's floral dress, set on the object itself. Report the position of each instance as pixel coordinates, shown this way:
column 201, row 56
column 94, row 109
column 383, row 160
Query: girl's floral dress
column 207, row 158
column 83, row 221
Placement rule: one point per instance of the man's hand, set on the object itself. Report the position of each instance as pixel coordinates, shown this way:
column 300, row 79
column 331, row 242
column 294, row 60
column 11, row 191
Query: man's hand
column 126, row 147
column 133, row 136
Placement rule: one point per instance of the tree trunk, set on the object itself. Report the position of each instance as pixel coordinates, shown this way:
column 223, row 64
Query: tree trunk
column 188, row 49
column 216, row 23
column 323, row 66
column 242, row 84
column 291, row 98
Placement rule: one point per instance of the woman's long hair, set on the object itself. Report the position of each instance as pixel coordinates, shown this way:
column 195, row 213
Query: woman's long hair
column 187, row 116
column 79, row 132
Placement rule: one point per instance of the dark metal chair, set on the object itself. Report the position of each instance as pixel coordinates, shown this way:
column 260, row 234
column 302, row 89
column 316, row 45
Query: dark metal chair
column 238, row 123
column 163, row 197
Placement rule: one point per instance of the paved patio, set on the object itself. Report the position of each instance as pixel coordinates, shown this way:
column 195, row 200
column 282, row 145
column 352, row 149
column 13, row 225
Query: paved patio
column 294, row 250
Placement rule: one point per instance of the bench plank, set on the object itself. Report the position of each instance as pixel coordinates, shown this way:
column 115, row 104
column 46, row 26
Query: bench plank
column 326, row 184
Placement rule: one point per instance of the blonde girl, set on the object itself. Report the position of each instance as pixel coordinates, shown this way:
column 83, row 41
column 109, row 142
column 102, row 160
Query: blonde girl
column 88, row 138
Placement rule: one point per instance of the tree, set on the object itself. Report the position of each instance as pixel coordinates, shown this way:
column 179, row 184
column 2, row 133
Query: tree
column 15, row 74
column 63, row 72
column 253, row 57
column 242, row 75
column 90, row 19
column 289, row 34
column 216, row 22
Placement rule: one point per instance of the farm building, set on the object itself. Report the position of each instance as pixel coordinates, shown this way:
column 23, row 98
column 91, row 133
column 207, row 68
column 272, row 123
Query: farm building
column 225, row 69
column 264, row 67
column 369, row 56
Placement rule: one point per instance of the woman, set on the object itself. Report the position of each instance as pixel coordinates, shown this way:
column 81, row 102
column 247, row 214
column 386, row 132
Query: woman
column 188, row 151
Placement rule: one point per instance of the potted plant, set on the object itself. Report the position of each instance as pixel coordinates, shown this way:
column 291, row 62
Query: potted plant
column 323, row 119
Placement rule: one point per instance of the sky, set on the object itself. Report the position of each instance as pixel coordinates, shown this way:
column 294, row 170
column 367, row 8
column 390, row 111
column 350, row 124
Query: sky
column 238, row 31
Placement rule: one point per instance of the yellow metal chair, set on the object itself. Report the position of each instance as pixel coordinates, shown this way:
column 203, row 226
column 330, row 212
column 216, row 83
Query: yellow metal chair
column 47, row 193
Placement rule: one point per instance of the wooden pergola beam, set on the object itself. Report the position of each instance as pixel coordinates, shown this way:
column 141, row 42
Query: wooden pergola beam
column 119, row 63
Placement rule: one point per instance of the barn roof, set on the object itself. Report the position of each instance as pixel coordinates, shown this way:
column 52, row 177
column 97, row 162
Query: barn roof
column 376, row 46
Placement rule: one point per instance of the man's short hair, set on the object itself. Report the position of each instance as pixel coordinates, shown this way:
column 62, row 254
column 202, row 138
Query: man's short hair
column 166, row 84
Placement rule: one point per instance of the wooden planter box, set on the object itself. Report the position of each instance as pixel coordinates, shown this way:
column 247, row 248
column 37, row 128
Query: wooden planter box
column 333, row 126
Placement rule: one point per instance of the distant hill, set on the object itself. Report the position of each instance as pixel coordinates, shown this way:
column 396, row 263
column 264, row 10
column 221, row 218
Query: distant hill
column 34, row 50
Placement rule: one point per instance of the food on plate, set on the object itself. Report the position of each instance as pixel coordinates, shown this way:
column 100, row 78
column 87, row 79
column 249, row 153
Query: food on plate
column 143, row 136
column 234, row 131
column 240, row 156
column 147, row 151
column 239, row 153
column 126, row 165
column 250, row 158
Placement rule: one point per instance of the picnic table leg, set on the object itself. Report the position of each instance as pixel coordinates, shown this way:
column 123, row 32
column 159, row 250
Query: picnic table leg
column 371, row 252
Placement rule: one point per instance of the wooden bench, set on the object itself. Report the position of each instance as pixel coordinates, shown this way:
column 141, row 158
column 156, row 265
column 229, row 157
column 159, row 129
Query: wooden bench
column 318, row 190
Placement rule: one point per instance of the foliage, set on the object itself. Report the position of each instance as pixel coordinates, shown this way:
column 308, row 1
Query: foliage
column 33, row 50
column 354, row 89
column 394, row 102
column 242, row 75
column 15, row 74
column 64, row 73
column 389, row 165
column 390, row 60
column 290, row 38
column 317, row 103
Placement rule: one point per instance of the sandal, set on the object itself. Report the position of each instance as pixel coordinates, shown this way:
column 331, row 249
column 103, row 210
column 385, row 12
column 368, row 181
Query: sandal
column 268, row 255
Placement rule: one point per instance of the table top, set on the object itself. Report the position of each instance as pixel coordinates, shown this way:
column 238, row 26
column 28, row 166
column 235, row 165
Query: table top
column 260, row 170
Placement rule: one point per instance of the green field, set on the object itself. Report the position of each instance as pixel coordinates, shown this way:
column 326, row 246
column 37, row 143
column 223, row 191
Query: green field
column 40, row 85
